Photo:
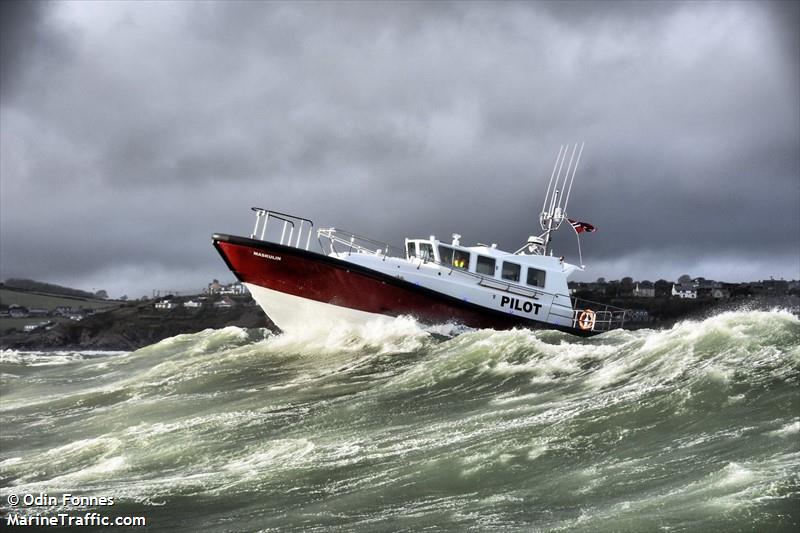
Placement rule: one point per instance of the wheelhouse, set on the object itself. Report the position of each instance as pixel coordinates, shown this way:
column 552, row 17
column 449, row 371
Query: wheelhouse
column 485, row 261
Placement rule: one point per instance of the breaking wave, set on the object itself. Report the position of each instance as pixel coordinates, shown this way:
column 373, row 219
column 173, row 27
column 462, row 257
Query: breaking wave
column 396, row 426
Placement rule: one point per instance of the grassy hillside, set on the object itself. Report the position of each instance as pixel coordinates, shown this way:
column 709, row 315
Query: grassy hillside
column 46, row 288
column 50, row 301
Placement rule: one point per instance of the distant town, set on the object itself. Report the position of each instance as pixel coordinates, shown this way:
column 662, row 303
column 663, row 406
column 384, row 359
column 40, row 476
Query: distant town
column 686, row 288
column 663, row 301
column 216, row 295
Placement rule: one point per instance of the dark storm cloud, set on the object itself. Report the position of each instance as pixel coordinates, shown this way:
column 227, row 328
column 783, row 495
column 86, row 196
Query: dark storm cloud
column 19, row 25
column 132, row 131
column 786, row 18
column 29, row 42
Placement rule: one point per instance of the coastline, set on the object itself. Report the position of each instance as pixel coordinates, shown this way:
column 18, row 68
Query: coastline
column 136, row 325
column 133, row 326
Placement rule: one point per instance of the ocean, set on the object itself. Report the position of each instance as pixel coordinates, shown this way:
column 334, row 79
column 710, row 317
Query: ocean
column 398, row 427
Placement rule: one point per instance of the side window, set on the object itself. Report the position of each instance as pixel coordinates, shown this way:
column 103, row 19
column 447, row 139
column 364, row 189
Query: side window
column 536, row 277
column 485, row 265
column 511, row 271
column 411, row 249
column 426, row 251
column 461, row 259
column 446, row 255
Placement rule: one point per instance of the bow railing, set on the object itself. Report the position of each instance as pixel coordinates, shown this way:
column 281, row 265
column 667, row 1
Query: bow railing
column 297, row 227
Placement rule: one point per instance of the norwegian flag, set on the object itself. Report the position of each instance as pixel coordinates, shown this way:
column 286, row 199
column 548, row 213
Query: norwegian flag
column 580, row 227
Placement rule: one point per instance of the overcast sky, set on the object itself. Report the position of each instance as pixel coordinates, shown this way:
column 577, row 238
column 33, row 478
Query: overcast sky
column 130, row 132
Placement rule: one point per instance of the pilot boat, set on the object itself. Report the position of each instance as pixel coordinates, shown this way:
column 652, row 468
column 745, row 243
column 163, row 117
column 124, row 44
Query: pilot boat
column 344, row 276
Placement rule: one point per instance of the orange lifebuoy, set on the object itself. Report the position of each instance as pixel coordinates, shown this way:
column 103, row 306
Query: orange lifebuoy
column 586, row 319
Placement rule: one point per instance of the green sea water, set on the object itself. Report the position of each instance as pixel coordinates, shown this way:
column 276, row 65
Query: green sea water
column 397, row 427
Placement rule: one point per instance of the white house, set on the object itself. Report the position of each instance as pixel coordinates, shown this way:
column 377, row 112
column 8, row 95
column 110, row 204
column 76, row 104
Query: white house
column 193, row 304
column 166, row 305
column 224, row 303
column 33, row 327
column 684, row 291
column 17, row 311
column 214, row 287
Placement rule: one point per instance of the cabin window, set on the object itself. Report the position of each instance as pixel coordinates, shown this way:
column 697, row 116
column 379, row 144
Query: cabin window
column 411, row 249
column 425, row 251
column 536, row 277
column 485, row 265
column 511, row 271
column 461, row 259
column 446, row 255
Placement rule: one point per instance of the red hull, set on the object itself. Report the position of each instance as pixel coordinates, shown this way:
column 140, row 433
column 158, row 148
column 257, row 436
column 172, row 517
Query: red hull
column 318, row 277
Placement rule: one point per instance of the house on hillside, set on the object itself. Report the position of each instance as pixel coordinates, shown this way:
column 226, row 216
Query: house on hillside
column 233, row 288
column 213, row 287
column 225, row 303
column 705, row 287
column 720, row 293
column 644, row 289
column 684, row 291
column 193, row 304
column 165, row 305
column 17, row 311
column 33, row 327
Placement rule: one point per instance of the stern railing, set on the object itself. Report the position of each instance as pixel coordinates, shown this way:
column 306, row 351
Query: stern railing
column 596, row 316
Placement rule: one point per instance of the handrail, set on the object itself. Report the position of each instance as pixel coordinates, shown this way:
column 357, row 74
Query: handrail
column 605, row 315
column 498, row 285
column 288, row 220
column 331, row 234
column 257, row 209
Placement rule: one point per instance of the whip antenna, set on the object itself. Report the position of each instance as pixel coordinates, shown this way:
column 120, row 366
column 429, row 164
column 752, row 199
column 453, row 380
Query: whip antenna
column 550, row 184
column 569, row 190
column 561, row 180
